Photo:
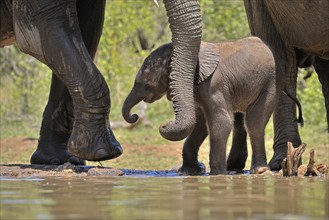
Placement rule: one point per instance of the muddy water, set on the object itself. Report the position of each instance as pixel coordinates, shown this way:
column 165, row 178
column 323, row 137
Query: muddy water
column 145, row 197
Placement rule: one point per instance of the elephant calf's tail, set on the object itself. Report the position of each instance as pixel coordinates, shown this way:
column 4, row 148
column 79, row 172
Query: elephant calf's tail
column 300, row 119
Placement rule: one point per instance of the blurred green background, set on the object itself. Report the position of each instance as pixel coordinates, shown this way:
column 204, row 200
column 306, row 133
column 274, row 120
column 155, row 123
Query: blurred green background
column 132, row 29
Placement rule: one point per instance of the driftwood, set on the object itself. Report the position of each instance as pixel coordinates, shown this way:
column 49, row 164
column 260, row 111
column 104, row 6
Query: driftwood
column 311, row 170
column 291, row 163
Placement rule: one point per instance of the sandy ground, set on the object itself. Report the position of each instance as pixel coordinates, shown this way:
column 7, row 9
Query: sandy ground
column 21, row 148
column 24, row 147
column 65, row 170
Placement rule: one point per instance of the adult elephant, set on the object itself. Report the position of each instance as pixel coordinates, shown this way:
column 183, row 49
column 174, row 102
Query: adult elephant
column 297, row 31
column 64, row 35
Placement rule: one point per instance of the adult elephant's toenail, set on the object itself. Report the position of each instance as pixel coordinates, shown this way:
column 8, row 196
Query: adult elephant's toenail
column 76, row 161
column 55, row 161
column 118, row 151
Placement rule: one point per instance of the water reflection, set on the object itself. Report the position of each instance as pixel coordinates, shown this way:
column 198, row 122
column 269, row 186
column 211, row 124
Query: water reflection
column 229, row 197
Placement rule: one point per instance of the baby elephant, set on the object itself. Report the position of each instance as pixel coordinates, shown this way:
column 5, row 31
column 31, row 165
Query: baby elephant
column 235, row 84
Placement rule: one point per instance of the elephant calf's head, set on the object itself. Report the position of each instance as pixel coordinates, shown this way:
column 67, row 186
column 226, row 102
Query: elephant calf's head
column 152, row 81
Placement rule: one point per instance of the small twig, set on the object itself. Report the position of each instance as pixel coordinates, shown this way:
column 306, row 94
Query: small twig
column 284, row 167
column 289, row 159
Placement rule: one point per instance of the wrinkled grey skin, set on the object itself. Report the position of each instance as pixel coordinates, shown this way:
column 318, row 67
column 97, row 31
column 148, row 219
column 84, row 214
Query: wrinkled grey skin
column 297, row 31
column 234, row 85
column 64, row 35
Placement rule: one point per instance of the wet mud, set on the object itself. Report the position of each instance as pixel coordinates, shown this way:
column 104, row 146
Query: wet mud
column 70, row 170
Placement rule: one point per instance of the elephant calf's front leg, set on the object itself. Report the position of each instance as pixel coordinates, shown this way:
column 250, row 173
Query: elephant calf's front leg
column 191, row 165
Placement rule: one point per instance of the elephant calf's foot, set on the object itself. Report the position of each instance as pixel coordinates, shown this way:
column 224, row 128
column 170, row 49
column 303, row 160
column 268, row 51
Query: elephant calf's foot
column 54, row 157
column 259, row 169
column 94, row 144
column 193, row 170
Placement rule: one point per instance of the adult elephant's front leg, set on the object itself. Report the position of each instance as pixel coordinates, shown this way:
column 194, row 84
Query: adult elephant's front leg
column 58, row 116
column 52, row 29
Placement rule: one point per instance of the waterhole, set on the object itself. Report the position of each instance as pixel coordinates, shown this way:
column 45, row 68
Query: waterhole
column 170, row 197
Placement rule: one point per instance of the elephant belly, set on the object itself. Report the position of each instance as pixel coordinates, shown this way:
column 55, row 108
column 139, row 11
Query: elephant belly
column 7, row 36
column 302, row 24
column 7, row 40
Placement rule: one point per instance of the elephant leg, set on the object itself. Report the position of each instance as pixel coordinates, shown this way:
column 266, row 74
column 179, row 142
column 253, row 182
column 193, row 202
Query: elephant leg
column 284, row 117
column 50, row 32
column 58, row 116
column 220, row 124
column 56, row 128
column 239, row 153
column 257, row 116
column 322, row 69
column 191, row 165
column 285, row 125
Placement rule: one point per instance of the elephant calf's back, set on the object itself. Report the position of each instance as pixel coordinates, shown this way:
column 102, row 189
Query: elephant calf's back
column 244, row 75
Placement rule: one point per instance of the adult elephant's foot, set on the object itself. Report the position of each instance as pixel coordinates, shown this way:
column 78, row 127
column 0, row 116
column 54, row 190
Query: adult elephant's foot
column 193, row 170
column 278, row 156
column 54, row 156
column 259, row 169
column 94, row 143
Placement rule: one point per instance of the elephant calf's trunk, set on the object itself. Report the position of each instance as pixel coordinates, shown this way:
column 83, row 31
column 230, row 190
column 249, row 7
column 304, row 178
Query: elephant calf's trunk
column 128, row 104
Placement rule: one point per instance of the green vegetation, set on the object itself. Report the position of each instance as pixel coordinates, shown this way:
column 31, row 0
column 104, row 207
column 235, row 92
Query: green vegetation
column 131, row 30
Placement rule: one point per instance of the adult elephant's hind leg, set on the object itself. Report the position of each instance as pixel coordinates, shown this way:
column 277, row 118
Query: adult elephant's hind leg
column 284, row 117
column 56, row 128
column 58, row 43
column 322, row 69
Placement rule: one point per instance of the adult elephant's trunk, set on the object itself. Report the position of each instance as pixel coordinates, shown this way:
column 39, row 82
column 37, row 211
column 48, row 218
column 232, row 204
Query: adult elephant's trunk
column 185, row 24
column 133, row 99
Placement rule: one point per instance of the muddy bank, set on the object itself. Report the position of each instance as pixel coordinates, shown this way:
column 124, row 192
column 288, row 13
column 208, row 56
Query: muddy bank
column 70, row 170
column 65, row 170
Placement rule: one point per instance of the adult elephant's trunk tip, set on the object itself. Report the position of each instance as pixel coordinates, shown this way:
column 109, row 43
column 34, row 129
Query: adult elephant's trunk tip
column 186, row 27
column 175, row 132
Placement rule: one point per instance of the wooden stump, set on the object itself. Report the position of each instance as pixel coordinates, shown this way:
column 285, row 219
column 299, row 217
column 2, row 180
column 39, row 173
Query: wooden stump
column 290, row 164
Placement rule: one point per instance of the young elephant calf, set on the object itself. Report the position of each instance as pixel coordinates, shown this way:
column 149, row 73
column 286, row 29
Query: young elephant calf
column 234, row 80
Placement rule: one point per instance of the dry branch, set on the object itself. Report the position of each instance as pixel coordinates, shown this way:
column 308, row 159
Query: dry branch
column 311, row 168
column 290, row 164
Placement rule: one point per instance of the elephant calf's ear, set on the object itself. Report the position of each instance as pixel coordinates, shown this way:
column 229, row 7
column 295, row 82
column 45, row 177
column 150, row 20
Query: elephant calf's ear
column 208, row 61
